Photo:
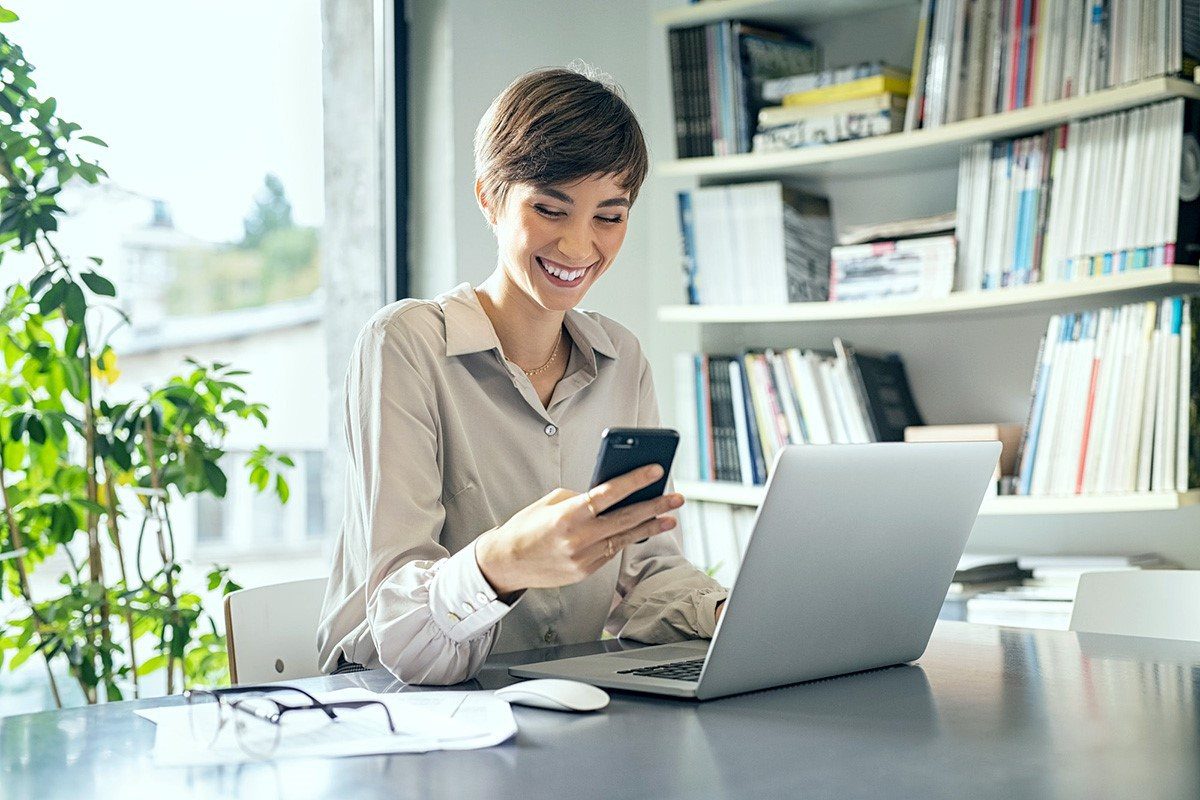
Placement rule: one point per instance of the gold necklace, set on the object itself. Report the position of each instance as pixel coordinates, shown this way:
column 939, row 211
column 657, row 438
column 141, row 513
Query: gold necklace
column 553, row 353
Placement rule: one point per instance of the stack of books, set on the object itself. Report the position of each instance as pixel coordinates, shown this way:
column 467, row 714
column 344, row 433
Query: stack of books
column 754, row 244
column 736, row 412
column 1090, row 198
column 832, row 106
column 977, row 574
column 1047, row 598
column 1115, row 402
column 717, row 72
column 978, row 57
column 899, row 260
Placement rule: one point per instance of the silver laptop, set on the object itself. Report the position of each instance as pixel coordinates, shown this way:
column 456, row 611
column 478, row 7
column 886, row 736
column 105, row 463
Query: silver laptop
column 851, row 555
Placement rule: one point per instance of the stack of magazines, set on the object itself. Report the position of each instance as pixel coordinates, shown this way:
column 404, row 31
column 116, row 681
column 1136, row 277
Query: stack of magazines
column 851, row 102
column 978, row 57
column 1115, row 402
column 754, row 244
column 1028, row 210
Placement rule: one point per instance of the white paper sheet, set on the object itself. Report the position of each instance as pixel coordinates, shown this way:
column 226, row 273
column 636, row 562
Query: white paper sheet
column 424, row 721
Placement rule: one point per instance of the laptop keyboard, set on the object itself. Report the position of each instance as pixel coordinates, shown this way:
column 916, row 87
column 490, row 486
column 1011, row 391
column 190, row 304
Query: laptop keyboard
column 673, row 670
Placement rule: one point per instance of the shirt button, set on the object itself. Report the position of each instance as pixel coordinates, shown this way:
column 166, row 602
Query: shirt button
column 468, row 608
column 482, row 599
column 453, row 617
column 549, row 637
column 551, row 430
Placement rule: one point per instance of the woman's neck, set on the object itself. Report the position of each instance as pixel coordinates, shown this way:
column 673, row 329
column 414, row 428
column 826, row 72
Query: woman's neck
column 527, row 331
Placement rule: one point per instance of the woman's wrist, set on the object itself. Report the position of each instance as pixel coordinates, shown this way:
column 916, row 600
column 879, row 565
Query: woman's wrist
column 490, row 557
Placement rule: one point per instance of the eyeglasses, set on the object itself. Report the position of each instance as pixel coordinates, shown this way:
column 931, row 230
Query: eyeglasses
column 256, row 713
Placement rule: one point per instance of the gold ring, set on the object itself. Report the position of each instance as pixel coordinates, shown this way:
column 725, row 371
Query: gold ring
column 591, row 508
column 609, row 552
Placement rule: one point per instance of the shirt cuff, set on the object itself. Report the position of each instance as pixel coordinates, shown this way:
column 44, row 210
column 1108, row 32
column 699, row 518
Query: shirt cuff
column 706, row 612
column 463, row 603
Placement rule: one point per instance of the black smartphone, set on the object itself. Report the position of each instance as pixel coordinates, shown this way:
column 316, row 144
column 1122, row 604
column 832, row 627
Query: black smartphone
column 625, row 449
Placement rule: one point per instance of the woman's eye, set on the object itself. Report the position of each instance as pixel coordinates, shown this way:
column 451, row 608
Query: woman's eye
column 613, row 220
column 548, row 213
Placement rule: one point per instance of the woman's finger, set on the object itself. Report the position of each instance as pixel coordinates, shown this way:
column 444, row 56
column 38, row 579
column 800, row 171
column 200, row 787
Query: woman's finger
column 614, row 491
column 599, row 552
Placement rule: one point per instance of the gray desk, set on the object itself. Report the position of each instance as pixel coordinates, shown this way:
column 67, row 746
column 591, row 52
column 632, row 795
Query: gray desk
column 987, row 712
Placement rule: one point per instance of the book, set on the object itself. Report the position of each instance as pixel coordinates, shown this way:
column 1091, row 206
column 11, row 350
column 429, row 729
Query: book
column 779, row 88
column 899, row 229
column 863, row 87
column 774, row 116
column 885, row 398
column 829, row 129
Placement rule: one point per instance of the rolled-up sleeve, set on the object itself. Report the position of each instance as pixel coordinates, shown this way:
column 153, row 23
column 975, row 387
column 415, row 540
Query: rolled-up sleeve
column 661, row 596
column 432, row 616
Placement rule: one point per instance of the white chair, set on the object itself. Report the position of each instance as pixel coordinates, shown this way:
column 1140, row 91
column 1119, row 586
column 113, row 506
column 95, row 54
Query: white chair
column 1158, row 603
column 271, row 631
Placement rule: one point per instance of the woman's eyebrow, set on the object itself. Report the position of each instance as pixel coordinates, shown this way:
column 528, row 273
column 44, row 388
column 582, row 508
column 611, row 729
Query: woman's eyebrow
column 566, row 198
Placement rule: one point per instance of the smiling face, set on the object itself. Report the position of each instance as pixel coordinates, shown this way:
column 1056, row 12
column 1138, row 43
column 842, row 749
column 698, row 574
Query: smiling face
column 556, row 241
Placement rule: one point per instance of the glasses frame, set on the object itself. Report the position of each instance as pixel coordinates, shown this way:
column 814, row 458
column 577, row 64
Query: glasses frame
column 227, row 705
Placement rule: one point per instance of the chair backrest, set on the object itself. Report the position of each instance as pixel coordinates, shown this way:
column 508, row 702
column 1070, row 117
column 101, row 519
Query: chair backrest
column 271, row 631
column 1160, row 603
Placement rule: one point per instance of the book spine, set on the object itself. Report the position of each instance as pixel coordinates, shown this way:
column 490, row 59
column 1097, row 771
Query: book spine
column 678, row 91
column 688, row 236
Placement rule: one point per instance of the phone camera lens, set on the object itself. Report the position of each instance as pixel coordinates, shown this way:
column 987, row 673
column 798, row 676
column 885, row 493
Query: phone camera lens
column 629, row 441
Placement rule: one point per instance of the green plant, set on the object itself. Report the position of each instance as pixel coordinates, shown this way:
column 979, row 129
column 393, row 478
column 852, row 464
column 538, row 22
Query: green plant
column 78, row 473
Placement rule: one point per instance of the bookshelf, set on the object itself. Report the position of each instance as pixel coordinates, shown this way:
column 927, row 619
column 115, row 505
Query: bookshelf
column 742, row 495
column 971, row 355
column 930, row 148
column 1125, row 287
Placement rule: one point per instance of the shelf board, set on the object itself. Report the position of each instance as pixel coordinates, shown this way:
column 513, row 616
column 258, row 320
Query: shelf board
column 739, row 494
column 1116, row 288
column 925, row 149
column 775, row 12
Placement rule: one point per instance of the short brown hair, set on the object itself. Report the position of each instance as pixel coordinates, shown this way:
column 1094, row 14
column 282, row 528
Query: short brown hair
column 556, row 126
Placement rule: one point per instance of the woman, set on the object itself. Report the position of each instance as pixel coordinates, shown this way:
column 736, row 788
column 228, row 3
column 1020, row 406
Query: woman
column 473, row 421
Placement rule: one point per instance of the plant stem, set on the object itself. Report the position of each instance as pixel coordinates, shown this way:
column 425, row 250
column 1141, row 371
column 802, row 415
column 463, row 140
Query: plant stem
column 110, row 495
column 168, row 562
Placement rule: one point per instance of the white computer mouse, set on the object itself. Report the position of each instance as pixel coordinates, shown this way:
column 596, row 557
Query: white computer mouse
column 556, row 694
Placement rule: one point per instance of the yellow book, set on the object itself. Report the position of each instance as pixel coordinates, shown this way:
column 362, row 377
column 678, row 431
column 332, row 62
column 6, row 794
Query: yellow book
column 863, row 87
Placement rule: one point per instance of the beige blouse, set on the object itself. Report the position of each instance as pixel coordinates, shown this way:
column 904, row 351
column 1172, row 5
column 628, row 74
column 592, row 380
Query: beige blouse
column 448, row 440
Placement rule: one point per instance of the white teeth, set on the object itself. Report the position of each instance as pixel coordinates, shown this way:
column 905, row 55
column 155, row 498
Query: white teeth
column 561, row 274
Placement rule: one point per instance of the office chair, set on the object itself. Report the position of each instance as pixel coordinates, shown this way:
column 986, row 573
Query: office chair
column 271, row 631
column 1157, row 603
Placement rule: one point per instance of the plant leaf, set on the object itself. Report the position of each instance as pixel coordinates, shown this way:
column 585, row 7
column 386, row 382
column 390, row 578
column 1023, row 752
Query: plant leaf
column 98, row 283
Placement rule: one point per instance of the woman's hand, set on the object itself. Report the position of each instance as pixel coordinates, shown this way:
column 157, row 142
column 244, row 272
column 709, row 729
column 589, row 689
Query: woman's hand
column 557, row 540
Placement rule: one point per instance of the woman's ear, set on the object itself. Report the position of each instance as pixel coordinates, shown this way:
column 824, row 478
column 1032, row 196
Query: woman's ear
column 484, row 203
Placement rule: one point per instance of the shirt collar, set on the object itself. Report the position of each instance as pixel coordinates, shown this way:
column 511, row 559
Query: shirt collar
column 468, row 329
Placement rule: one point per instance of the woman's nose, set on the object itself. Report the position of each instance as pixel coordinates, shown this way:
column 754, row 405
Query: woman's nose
column 576, row 245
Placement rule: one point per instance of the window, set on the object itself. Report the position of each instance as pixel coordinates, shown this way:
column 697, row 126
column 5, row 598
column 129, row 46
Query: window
column 210, row 221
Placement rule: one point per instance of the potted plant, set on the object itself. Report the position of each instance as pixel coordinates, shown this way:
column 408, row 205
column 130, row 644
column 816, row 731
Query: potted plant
column 79, row 475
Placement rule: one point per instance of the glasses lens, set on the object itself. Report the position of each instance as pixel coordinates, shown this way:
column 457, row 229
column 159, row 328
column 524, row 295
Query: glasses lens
column 257, row 734
column 204, row 716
